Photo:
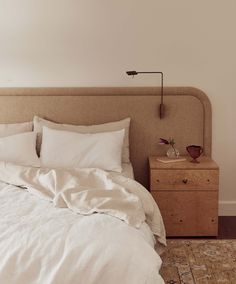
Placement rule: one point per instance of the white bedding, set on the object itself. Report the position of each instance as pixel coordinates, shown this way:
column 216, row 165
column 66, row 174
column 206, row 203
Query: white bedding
column 127, row 170
column 41, row 243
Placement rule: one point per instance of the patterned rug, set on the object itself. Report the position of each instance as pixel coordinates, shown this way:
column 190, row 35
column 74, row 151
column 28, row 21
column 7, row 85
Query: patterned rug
column 199, row 262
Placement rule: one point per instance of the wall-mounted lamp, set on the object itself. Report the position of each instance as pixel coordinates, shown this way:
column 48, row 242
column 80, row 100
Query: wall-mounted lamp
column 162, row 107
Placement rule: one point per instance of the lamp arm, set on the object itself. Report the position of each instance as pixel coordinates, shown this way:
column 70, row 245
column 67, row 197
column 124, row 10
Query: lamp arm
column 162, row 107
column 153, row 72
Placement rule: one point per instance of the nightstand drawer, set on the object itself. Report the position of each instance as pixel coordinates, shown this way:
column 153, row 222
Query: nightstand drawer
column 189, row 213
column 184, row 179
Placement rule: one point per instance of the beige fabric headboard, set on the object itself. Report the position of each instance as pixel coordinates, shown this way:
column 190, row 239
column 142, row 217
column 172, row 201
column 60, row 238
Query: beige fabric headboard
column 187, row 117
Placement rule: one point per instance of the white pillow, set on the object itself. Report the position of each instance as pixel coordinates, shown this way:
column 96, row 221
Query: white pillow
column 106, row 127
column 7, row 129
column 19, row 149
column 64, row 149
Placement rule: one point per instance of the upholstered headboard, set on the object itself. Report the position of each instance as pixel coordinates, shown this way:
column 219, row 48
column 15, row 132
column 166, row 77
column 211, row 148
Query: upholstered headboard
column 187, row 117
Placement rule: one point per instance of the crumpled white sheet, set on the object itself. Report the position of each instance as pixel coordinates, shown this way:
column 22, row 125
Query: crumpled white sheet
column 110, row 249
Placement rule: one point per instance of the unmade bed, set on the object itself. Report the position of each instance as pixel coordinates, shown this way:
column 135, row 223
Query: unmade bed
column 71, row 217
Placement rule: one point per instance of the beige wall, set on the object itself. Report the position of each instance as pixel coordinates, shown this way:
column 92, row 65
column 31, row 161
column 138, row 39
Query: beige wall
column 92, row 43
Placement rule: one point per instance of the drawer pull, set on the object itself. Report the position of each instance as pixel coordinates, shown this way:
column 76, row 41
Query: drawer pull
column 181, row 220
column 158, row 180
column 185, row 180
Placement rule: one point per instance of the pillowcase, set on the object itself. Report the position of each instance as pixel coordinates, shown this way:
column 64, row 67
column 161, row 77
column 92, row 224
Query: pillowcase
column 106, row 127
column 8, row 129
column 64, row 149
column 19, row 149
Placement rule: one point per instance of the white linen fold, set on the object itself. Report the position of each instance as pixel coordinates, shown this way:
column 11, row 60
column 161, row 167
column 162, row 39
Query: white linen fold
column 88, row 191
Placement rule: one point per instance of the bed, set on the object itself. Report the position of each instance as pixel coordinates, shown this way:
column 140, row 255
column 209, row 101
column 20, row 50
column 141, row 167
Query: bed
column 90, row 224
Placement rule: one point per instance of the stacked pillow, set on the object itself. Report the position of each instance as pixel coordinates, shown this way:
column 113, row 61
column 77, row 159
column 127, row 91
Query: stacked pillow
column 65, row 149
column 17, row 144
column 39, row 123
column 103, row 146
column 7, row 129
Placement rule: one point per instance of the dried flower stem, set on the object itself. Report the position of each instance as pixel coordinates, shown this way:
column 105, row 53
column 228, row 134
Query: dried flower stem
column 174, row 149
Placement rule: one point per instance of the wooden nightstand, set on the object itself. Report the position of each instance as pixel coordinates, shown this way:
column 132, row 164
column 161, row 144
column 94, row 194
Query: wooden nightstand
column 187, row 195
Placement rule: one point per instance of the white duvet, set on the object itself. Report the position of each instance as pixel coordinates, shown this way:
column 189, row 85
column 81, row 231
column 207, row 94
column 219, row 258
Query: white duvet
column 50, row 231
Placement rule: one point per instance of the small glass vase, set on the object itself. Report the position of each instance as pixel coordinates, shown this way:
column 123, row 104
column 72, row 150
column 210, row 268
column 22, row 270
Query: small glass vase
column 172, row 153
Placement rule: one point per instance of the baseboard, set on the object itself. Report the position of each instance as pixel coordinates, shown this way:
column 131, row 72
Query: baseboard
column 227, row 208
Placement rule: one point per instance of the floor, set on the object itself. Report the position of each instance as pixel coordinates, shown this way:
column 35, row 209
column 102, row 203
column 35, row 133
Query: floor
column 227, row 227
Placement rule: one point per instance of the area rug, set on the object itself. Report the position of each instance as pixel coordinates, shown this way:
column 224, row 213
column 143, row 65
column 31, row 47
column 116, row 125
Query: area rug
column 199, row 262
